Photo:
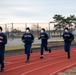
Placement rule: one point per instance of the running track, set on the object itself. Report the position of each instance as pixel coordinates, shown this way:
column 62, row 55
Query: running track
column 51, row 64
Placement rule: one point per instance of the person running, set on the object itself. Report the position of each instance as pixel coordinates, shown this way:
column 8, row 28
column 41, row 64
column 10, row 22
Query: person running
column 28, row 39
column 68, row 38
column 44, row 42
column 3, row 41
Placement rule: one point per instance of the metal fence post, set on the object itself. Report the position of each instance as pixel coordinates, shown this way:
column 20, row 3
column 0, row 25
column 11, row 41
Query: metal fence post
column 5, row 28
column 12, row 27
column 37, row 29
column 25, row 26
column 49, row 28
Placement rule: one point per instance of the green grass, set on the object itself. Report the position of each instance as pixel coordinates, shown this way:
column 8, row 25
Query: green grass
column 14, row 47
column 55, row 39
column 75, row 39
column 18, row 47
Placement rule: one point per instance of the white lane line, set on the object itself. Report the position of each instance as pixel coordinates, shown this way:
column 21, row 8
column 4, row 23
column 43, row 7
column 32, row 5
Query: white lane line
column 32, row 59
column 32, row 64
column 41, row 67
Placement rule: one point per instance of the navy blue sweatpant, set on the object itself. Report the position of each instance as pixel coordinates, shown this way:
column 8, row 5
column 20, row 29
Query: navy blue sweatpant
column 2, row 61
column 27, row 50
column 67, row 48
column 44, row 46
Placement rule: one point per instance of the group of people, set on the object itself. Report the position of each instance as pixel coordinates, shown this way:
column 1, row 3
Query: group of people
column 28, row 39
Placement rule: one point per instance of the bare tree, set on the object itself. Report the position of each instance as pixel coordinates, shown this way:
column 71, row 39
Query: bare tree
column 36, row 29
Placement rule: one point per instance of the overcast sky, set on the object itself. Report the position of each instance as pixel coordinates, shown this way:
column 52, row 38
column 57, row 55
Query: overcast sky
column 21, row 11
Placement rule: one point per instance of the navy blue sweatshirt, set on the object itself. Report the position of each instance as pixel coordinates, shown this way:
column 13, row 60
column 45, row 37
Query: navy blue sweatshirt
column 28, row 38
column 44, row 37
column 68, row 37
column 3, row 38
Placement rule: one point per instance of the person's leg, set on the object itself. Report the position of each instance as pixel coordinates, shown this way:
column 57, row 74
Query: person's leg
column 46, row 48
column 68, row 54
column 28, row 52
column 41, row 51
column 25, row 50
column 2, row 62
column 67, row 48
column 69, row 44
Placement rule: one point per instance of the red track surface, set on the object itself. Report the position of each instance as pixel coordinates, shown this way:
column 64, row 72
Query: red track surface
column 52, row 63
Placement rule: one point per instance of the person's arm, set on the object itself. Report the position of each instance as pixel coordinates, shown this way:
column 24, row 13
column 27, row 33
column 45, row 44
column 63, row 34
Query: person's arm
column 72, row 36
column 4, row 39
column 47, row 36
column 23, row 38
column 32, row 38
column 39, row 36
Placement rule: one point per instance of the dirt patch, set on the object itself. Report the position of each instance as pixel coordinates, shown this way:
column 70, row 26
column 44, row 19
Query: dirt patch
column 71, row 71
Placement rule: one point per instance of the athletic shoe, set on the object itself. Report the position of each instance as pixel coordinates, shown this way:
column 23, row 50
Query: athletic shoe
column 26, row 61
column 49, row 50
column 41, row 57
column 68, row 57
column 2, row 70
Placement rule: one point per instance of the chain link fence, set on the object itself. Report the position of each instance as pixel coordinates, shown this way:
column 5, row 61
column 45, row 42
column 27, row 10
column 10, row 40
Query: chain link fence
column 14, row 31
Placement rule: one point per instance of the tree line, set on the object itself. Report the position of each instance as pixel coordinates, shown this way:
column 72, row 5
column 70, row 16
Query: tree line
column 62, row 21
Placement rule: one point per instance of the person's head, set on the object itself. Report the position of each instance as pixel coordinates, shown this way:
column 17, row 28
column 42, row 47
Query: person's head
column 27, row 30
column 1, row 29
column 66, row 30
column 42, row 30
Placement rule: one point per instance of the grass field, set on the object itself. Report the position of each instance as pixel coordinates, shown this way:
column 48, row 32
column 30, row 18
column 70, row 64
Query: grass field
column 22, row 46
column 17, row 47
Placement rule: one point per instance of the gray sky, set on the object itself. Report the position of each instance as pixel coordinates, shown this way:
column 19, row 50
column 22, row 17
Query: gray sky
column 21, row 11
